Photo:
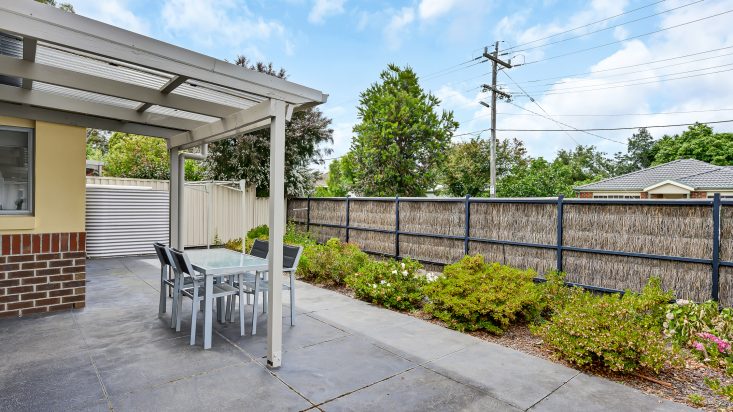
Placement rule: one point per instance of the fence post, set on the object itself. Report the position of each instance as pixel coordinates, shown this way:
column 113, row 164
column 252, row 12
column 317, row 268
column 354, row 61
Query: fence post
column 397, row 227
column 716, row 247
column 559, row 231
column 467, row 208
column 348, row 204
column 308, row 214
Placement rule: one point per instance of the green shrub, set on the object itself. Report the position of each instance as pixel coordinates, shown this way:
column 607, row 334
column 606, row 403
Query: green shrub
column 234, row 244
column 331, row 263
column 472, row 295
column 258, row 232
column 389, row 283
column 554, row 294
column 621, row 333
column 685, row 319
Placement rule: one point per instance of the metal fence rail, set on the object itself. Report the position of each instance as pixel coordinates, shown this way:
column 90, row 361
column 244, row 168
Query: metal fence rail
column 559, row 247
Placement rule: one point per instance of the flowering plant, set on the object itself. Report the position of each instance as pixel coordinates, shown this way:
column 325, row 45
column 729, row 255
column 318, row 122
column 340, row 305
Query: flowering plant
column 390, row 283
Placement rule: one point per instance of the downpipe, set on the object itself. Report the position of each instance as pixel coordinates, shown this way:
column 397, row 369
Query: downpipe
column 182, row 184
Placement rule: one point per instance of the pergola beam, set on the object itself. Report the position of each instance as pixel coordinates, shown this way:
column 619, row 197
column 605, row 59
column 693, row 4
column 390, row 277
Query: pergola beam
column 80, row 81
column 82, row 120
column 58, row 102
column 166, row 89
column 30, row 19
column 30, row 45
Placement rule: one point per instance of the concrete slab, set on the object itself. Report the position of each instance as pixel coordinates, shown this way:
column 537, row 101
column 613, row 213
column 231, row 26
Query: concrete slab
column 508, row 375
column 232, row 388
column 590, row 393
column 61, row 383
column 361, row 317
column 419, row 389
column 311, row 298
column 132, row 367
column 331, row 369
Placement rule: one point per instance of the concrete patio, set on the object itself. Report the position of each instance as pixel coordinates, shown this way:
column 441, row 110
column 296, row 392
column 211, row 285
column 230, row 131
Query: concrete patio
column 343, row 354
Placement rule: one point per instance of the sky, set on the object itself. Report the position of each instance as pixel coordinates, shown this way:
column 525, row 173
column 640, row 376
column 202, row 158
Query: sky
column 586, row 64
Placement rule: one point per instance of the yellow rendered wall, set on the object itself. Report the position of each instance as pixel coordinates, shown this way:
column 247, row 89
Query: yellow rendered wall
column 59, row 180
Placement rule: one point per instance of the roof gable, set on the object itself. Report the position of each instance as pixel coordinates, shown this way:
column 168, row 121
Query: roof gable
column 677, row 170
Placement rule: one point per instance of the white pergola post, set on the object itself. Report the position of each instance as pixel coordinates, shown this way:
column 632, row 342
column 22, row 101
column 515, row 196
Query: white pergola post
column 173, row 198
column 277, row 230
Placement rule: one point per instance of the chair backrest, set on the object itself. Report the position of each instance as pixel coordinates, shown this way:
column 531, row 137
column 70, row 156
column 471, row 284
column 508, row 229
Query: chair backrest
column 260, row 248
column 291, row 257
column 160, row 251
column 182, row 262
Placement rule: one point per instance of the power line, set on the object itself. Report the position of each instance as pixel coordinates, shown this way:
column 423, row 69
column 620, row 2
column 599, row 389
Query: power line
column 586, row 25
column 621, row 114
column 452, row 67
column 626, row 39
column 597, row 129
column 427, row 78
column 607, row 28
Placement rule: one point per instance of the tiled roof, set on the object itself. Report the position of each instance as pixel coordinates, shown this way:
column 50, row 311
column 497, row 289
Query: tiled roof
column 694, row 173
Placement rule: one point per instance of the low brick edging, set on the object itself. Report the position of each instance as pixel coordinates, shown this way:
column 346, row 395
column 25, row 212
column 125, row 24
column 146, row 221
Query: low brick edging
column 42, row 272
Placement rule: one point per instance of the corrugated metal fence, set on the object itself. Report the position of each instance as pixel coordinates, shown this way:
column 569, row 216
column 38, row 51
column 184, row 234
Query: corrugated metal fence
column 214, row 210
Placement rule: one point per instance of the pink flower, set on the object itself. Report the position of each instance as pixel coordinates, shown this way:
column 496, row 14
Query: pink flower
column 699, row 346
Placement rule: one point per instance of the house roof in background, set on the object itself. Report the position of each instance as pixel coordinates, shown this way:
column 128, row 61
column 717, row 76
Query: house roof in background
column 689, row 172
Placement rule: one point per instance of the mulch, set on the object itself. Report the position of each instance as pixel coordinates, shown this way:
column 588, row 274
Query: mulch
column 676, row 383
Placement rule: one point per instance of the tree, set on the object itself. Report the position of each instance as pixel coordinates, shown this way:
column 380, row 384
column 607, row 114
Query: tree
column 142, row 157
column 401, row 141
column 640, row 152
column 340, row 178
column 63, row 6
column 539, row 179
column 697, row 142
column 248, row 156
column 467, row 168
column 584, row 163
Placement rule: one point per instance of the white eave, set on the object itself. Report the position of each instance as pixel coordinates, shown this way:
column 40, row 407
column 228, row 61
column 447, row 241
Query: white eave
column 669, row 182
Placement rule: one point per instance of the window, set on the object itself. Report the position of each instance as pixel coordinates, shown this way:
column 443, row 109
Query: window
column 16, row 171
column 615, row 197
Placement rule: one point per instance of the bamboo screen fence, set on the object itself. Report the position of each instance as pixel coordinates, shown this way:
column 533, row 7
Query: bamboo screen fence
column 601, row 244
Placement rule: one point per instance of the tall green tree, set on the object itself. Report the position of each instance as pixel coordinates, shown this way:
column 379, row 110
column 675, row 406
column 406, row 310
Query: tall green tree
column 63, row 6
column 641, row 149
column 142, row 157
column 697, row 142
column 340, row 179
column 584, row 163
column 539, row 178
column 247, row 156
column 401, row 140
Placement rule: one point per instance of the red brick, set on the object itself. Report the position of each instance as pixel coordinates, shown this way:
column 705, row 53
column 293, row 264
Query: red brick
column 48, row 301
column 79, row 298
column 19, row 305
column 36, row 244
column 82, row 241
column 19, row 289
column 27, row 244
column 73, row 242
column 54, row 242
column 8, row 298
column 48, row 256
column 7, row 242
column 80, row 262
column 34, row 280
column 33, row 295
column 48, row 286
column 60, row 263
column 48, row 272
column 80, row 291
column 60, row 292
column 16, row 243
column 46, row 243
column 9, row 266
column 60, row 278
column 34, row 265
column 30, row 311
column 73, row 255
column 79, row 305
column 60, row 307
column 73, row 284
column 2, row 258
column 80, row 276
column 9, row 283
column 21, row 258
column 73, row 269
column 9, row 313
column 64, row 242
column 20, row 274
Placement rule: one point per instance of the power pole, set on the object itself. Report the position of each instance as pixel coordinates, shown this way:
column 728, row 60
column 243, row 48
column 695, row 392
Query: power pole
column 495, row 92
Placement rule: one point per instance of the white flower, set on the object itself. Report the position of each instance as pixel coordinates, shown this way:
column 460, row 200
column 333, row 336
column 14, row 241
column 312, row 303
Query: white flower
column 383, row 281
column 403, row 265
column 682, row 302
column 394, row 272
column 374, row 286
column 670, row 316
column 404, row 272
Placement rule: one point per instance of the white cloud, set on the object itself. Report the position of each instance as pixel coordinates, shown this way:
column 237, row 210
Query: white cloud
column 396, row 28
column 210, row 22
column 429, row 9
column 114, row 12
column 325, row 8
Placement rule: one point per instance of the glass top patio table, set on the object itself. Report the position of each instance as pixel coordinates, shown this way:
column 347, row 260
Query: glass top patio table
column 219, row 261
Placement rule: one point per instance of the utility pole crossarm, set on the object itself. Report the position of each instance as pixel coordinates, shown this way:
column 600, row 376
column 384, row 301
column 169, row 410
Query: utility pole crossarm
column 488, row 87
column 493, row 57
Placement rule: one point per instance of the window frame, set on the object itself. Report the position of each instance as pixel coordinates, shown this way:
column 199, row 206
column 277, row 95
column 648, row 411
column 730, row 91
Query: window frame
column 31, row 196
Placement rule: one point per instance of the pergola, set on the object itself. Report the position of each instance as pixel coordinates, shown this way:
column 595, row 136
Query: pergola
column 78, row 71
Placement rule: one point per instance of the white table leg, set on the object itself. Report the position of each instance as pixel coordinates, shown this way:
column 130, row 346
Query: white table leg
column 208, row 306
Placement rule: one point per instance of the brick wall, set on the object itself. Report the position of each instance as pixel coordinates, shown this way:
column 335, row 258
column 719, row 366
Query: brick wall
column 698, row 195
column 42, row 273
column 585, row 195
column 643, row 195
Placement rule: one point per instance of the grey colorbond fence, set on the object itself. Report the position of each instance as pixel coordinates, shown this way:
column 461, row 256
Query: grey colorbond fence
column 606, row 245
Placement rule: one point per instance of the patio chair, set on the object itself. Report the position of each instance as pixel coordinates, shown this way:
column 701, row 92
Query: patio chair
column 183, row 267
column 291, row 258
column 165, row 281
